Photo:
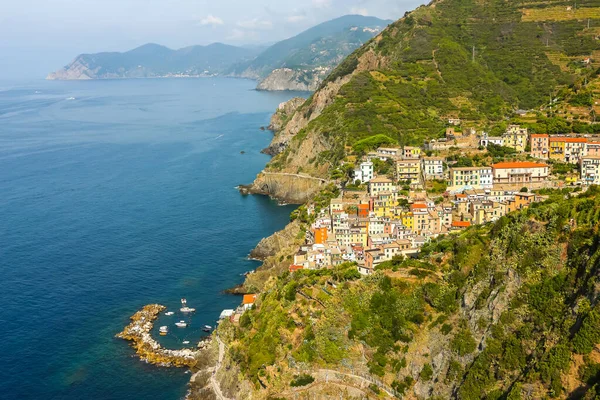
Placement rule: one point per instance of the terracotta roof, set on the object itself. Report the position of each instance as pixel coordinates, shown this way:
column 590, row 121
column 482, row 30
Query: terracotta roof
column 545, row 135
column 568, row 140
column 249, row 299
column 518, row 164
column 461, row 224
column 418, row 205
column 295, row 267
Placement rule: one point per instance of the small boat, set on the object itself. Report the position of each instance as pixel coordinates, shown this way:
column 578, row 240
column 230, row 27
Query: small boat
column 70, row 98
column 181, row 324
column 169, row 313
column 207, row 328
column 186, row 342
column 163, row 330
column 184, row 308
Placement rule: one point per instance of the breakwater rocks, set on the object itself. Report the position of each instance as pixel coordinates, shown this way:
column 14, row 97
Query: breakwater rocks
column 148, row 349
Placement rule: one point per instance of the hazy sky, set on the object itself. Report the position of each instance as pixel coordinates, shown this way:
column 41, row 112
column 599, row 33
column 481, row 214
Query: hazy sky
column 37, row 36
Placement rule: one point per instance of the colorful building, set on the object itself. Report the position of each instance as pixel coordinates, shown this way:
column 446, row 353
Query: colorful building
column 515, row 137
column 475, row 177
column 540, row 145
column 380, row 184
column 590, row 170
column 408, row 170
column 520, row 172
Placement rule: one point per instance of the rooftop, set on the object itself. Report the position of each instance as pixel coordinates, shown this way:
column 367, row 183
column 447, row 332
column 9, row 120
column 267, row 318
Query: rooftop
column 249, row 299
column 519, row 164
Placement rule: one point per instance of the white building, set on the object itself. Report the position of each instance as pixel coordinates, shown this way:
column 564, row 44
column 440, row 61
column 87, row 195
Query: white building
column 487, row 140
column 364, row 172
column 433, row 167
column 590, row 170
column 486, row 177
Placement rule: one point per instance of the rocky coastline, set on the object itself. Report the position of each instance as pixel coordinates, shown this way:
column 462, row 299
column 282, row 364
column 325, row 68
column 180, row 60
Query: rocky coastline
column 149, row 350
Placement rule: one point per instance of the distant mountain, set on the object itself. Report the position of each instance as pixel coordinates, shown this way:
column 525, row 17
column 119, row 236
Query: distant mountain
column 298, row 63
column 311, row 55
column 153, row 60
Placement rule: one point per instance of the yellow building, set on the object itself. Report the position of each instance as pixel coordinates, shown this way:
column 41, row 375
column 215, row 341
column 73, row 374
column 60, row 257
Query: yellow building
column 515, row 137
column 408, row 169
column 412, row 152
column 557, row 148
column 380, row 184
column 408, row 220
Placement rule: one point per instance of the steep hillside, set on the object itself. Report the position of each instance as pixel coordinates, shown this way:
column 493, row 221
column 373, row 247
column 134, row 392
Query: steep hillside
column 313, row 53
column 152, row 60
column 504, row 311
column 477, row 60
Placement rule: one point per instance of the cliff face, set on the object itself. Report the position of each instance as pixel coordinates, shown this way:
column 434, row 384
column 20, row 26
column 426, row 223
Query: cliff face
column 290, row 79
column 286, row 187
column 276, row 252
column 77, row 70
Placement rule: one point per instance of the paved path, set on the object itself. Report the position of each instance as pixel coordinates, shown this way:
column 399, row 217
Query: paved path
column 213, row 378
column 295, row 175
column 331, row 371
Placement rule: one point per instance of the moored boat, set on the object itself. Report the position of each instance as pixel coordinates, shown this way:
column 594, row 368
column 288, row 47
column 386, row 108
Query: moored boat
column 207, row 328
column 181, row 324
column 184, row 308
column 163, row 330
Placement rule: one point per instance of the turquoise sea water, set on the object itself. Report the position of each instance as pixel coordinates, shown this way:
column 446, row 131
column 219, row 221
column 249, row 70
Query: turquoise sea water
column 113, row 195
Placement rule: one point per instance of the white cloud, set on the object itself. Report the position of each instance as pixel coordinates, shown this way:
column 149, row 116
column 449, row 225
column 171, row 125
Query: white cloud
column 256, row 24
column 296, row 18
column 211, row 20
column 321, row 3
column 359, row 11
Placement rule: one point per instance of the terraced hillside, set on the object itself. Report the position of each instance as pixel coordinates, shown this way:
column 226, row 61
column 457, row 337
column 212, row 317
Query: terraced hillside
column 477, row 60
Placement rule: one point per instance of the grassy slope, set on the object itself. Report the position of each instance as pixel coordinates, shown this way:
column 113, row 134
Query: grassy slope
column 430, row 75
column 499, row 310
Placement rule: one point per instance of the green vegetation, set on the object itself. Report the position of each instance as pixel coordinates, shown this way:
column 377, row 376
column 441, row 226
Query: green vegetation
column 476, row 60
column 538, row 267
column 302, row 380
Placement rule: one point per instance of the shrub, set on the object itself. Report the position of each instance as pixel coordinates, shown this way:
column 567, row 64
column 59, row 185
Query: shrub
column 302, row 380
column 426, row 373
column 463, row 342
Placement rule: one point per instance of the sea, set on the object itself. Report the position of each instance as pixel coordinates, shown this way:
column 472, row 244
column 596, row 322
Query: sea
column 113, row 195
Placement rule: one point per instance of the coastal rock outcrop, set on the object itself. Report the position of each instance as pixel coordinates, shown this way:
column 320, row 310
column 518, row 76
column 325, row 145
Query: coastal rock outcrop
column 284, row 113
column 283, row 79
column 285, row 187
column 278, row 241
column 148, row 349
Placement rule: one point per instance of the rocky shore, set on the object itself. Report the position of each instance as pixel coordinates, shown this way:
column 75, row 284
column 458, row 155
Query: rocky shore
column 148, row 349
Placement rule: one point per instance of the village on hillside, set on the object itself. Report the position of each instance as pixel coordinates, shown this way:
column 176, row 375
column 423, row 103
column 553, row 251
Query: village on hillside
column 402, row 197
column 424, row 195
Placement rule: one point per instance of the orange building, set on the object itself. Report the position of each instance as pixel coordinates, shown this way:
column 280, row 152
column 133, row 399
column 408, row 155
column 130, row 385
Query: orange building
column 294, row 268
column 460, row 224
column 320, row 235
column 522, row 200
column 540, row 145
column 363, row 210
column 248, row 301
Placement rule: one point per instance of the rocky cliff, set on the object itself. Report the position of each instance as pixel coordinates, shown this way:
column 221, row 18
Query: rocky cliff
column 285, row 187
column 293, row 79
column 299, row 148
column 276, row 252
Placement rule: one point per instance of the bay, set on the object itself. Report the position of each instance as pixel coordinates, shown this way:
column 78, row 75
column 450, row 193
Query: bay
column 113, row 195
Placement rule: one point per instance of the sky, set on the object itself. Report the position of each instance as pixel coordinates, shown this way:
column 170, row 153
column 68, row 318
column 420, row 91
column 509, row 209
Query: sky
column 39, row 36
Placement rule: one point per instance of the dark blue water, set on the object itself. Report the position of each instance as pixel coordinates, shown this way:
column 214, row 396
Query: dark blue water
column 121, row 197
